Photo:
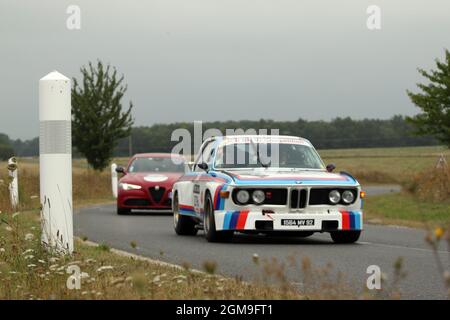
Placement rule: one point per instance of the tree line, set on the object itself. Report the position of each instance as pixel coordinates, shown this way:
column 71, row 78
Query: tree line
column 338, row 133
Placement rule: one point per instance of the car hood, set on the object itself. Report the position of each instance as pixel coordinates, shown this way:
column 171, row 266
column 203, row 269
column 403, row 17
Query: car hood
column 297, row 177
column 152, row 178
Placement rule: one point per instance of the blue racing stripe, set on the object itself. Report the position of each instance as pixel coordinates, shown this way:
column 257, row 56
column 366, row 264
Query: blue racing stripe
column 352, row 220
column 227, row 220
column 358, row 221
column 234, row 220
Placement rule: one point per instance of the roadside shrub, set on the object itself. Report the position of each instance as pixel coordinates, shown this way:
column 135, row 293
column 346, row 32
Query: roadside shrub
column 431, row 185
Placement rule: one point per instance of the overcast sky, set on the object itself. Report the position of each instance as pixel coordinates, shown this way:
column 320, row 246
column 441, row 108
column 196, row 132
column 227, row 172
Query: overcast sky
column 225, row 59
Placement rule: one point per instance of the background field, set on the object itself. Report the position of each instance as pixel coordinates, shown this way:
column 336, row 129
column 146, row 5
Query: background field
column 385, row 165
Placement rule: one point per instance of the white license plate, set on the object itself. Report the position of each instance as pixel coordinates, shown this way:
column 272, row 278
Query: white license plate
column 297, row 222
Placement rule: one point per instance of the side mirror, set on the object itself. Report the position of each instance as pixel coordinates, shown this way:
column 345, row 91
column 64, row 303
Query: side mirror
column 120, row 169
column 331, row 167
column 203, row 166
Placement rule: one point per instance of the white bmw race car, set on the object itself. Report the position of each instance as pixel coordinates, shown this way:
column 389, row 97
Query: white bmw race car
column 265, row 184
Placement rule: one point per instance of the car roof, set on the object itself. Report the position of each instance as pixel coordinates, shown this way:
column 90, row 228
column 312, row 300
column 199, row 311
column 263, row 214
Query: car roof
column 157, row 155
column 256, row 136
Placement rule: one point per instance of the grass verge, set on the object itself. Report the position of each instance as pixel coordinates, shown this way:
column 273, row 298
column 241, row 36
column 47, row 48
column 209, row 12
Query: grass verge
column 406, row 209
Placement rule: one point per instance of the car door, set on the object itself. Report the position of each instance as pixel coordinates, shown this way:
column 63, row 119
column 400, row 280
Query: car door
column 199, row 183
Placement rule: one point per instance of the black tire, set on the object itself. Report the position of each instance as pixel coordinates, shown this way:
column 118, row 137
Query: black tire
column 123, row 211
column 183, row 225
column 345, row 236
column 209, row 224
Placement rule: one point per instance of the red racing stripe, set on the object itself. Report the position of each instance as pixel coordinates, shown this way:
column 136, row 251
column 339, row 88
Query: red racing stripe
column 345, row 220
column 241, row 220
column 216, row 197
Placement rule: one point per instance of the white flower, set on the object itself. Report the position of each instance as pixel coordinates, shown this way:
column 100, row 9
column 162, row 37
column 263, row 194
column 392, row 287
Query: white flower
column 84, row 275
column 29, row 237
column 31, row 266
column 28, row 251
column 29, row 257
column 104, row 268
column 2, row 250
column 8, row 228
column 41, row 261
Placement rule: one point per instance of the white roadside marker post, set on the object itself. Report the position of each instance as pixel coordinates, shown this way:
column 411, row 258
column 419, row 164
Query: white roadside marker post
column 114, row 179
column 14, row 183
column 55, row 162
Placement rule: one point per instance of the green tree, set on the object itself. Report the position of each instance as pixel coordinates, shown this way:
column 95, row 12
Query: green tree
column 434, row 101
column 98, row 119
column 6, row 150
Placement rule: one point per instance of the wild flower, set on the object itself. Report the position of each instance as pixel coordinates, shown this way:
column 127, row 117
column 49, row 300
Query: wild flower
column 31, row 265
column 27, row 251
column 29, row 237
column 2, row 250
column 104, row 268
column 439, row 232
column 29, row 257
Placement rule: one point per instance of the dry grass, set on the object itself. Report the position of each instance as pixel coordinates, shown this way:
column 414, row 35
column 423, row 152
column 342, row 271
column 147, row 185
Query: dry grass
column 88, row 186
column 431, row 185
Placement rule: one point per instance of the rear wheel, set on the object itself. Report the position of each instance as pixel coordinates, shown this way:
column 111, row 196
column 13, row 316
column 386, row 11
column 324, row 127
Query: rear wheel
column 183, row 225
column 209, row 225
column 122, row 211
column 345, row 236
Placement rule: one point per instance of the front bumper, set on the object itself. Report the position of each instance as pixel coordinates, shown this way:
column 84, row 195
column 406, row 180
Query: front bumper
column 247, row 220
column 141, row 199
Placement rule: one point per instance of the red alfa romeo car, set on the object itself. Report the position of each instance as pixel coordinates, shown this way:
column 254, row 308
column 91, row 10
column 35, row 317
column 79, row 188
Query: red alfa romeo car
column 147, row 182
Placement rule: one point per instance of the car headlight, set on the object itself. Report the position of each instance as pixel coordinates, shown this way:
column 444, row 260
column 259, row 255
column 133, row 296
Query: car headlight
column 258, row 196
column 242, row 196
column 334, row 196
column 129, row 186
column 348, row 196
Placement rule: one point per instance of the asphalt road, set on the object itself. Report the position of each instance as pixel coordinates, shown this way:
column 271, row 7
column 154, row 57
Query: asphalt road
column 379, row 245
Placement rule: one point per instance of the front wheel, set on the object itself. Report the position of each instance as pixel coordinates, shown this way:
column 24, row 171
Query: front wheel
column 183, row 225
column 209, row 225
column 345, row 236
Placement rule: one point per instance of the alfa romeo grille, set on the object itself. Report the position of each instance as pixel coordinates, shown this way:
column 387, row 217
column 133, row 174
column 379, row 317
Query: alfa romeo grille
column 157, row 194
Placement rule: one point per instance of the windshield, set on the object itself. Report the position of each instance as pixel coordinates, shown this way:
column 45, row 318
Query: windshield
column 155, row 165
column 253, row 155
